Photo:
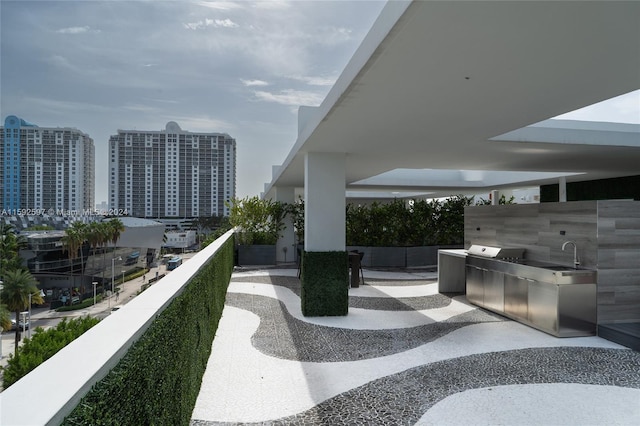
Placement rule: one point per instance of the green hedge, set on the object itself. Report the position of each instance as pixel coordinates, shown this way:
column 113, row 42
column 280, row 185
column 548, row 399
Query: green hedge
column 325, row 283
column 402, row 223
column 157, row 382
column 43, row 345
column 82, row 305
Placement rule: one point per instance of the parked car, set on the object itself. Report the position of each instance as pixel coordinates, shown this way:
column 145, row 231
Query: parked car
column 23, row 324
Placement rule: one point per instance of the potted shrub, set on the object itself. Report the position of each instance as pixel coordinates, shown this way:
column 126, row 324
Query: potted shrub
column 258, row 224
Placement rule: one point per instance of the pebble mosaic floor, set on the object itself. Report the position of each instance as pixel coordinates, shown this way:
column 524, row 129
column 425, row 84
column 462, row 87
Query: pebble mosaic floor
column 404, row 355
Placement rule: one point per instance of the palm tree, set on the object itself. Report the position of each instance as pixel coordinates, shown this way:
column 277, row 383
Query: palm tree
column 73, row 240
column 5, row 318
column 17, row 286
column 111, row 234
column 94, row 238
column 10, row 244
column 116, row 227
column 104, row 232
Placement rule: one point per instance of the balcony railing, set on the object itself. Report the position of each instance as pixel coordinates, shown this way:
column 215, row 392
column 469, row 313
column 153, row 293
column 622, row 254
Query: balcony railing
column 175, row 319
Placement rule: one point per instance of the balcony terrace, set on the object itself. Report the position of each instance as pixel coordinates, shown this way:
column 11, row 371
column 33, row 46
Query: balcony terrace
column 405, row 354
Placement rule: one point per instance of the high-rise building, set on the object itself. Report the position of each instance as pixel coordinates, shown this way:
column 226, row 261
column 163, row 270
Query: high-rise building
column 171, row 173
column 45, row 168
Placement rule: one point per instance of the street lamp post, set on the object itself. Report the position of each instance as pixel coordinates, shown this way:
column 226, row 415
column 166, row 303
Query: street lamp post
column 41, row 295
column 1, row 287
column 95, row 283
column 23, row 315
column 123, row 280
column 29, row 335
column 113, row 263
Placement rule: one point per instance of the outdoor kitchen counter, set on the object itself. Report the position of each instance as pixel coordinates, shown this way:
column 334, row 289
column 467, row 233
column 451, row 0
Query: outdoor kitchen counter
column 451, row 270
column 557, row 299
column 536, row 270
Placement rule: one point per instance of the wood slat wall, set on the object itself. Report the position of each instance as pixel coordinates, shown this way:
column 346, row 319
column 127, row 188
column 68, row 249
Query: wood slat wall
column 618, row 261
column 607, row 234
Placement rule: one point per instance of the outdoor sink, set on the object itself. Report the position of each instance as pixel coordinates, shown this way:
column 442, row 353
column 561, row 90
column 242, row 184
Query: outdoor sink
column 550, row 266
column 561, row 268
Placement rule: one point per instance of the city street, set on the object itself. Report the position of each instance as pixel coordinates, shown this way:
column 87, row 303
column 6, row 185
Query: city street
column 46, row 318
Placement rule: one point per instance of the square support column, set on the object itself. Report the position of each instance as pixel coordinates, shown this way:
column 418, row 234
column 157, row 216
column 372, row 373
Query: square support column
column 325, row 288
column 324, row 202
column 285, row 246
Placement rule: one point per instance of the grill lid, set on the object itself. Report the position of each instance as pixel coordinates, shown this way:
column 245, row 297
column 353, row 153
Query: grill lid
column 496, row 252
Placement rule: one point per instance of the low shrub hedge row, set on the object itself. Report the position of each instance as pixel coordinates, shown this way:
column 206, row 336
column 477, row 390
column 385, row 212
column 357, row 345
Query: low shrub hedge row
column 158, row 380
column 42, row 346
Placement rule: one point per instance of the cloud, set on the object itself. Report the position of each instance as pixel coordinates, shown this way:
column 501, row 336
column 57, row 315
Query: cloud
column 77, row 30
column 201, row 123
column 61, row 107
column 620, row 109
column 60, row 61
column 139, row 108
column 315, row 81
column 220, row 5
column 195, row 25
column 224, row 23
column 163, row 101
column 250, row 83
column 291, row 97
column 272, row 4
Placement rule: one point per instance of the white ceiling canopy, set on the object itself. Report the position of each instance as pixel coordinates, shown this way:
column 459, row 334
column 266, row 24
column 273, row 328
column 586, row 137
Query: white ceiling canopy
column 443, row 87
column 431, row 178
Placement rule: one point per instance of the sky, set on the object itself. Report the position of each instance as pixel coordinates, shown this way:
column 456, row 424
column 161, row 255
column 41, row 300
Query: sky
column 236, row 67
column 241, row 68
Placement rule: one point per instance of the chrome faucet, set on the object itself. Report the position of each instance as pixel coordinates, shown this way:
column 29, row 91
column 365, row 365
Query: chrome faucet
column 576, row 260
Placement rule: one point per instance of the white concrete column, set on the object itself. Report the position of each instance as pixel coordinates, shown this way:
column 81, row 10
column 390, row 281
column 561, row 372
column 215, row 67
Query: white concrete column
column 324, row 195
column 285, row 247
column 495, row 197
column 562, row 189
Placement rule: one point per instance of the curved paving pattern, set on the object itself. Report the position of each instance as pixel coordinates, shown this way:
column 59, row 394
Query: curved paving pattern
column 270, row 366
column 379, row 303
column 284, row 336
column 403, row 398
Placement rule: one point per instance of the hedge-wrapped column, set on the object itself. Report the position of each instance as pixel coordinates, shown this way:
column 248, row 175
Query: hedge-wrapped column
column 324, row 262
column 325, row 283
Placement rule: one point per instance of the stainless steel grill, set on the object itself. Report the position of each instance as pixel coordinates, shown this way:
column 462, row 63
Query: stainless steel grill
column 507, row 253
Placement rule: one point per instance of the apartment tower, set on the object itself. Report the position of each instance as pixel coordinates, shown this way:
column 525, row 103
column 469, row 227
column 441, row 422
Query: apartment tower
column 171, row 172
column 45, row 168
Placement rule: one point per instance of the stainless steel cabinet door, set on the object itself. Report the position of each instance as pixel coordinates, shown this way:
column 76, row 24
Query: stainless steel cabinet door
column 494, row 290
column 475, row 285
column 543, row 306
column 516, row 296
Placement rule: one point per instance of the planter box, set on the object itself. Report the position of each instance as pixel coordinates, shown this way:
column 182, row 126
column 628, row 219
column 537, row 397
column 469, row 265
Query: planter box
column 399, row 257
column 390, row 257
column 257, row 255
column 422, row 256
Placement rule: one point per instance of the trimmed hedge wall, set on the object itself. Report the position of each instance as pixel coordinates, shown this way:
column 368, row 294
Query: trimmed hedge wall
column 157, row 382
column 325, row 283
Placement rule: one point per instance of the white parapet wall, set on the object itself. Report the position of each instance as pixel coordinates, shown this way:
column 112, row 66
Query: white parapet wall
column 51, row 391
